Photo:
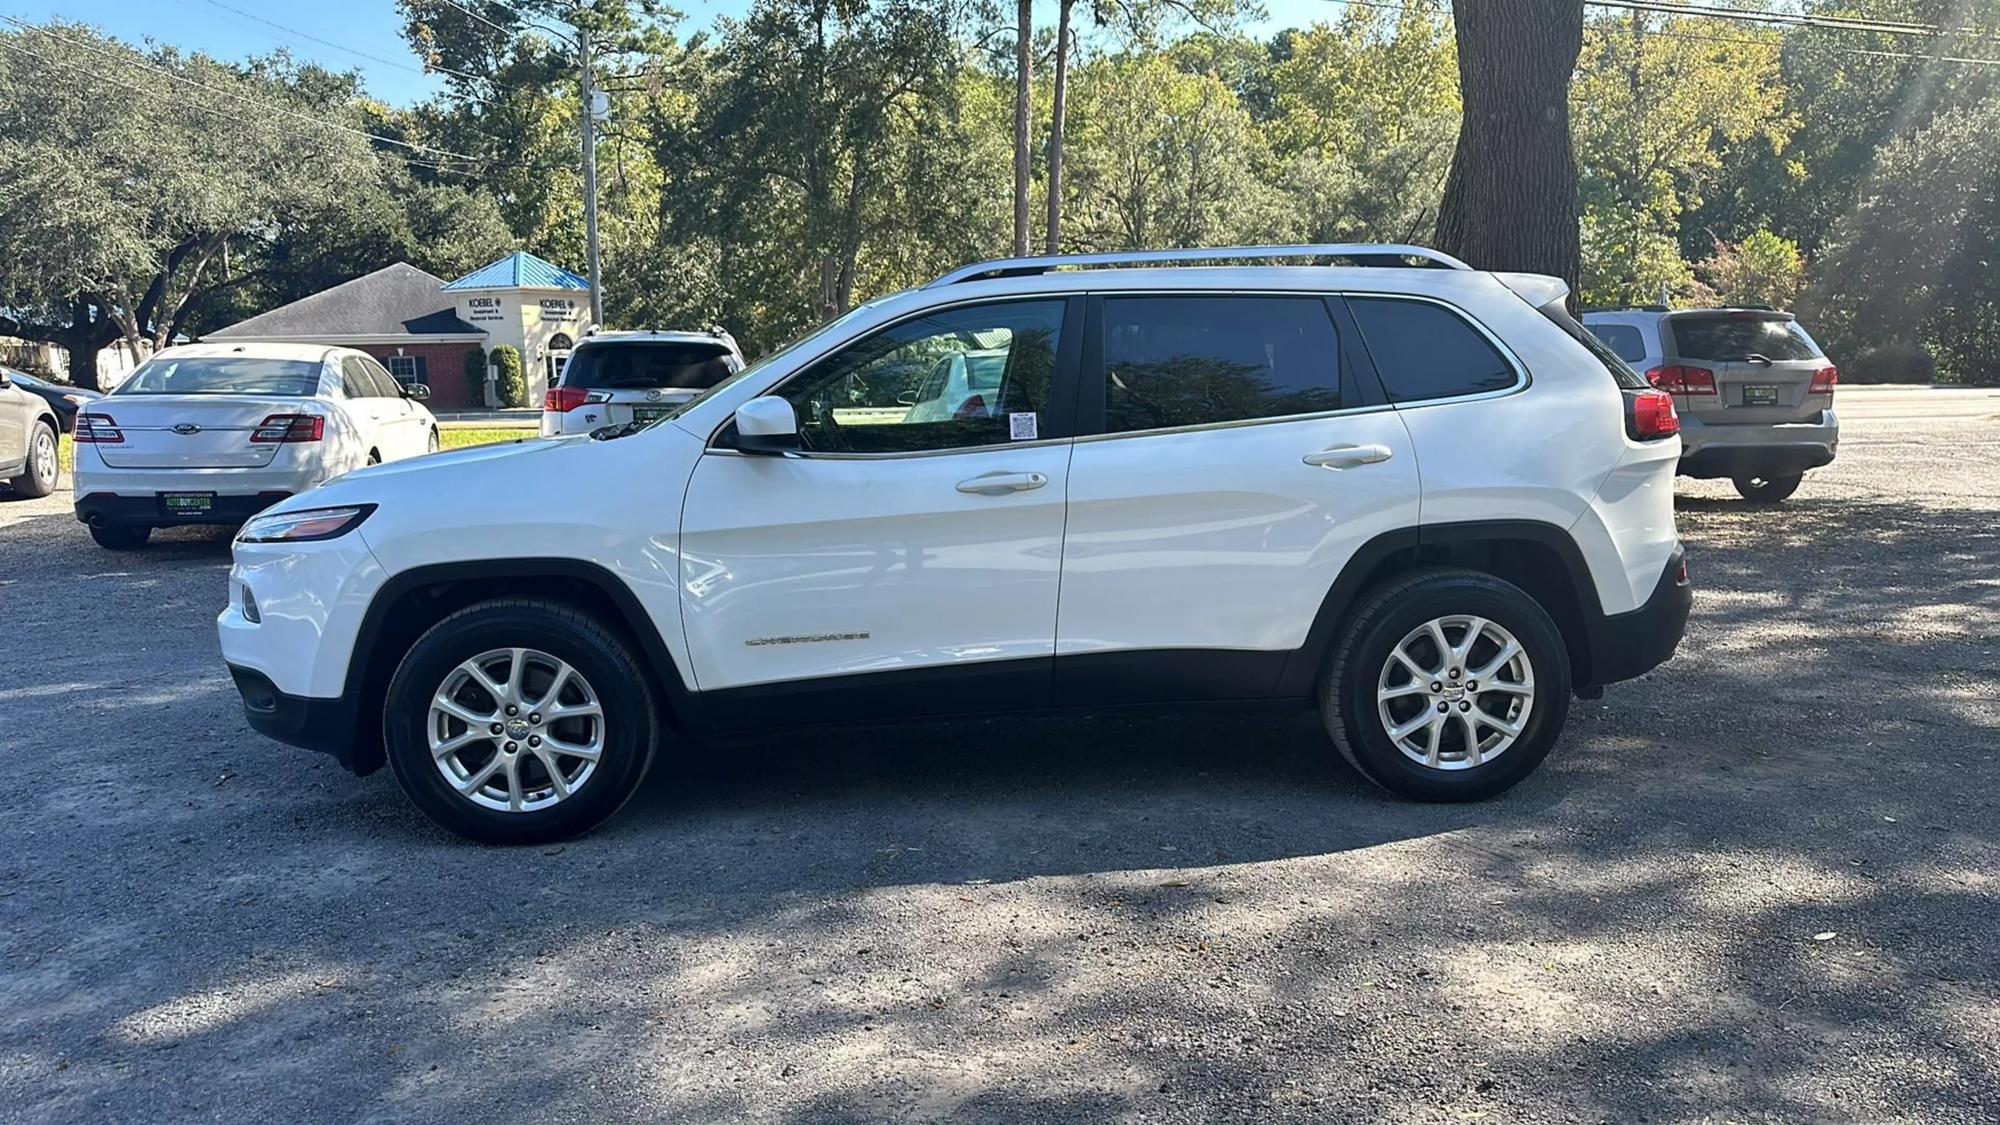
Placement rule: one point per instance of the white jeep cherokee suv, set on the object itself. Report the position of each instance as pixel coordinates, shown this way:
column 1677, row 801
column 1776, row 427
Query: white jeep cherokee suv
column 1415, row 496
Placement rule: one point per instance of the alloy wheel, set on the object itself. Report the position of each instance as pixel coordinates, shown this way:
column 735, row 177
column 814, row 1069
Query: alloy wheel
column 42, row 458
column 1455, row 692
column 516, row 730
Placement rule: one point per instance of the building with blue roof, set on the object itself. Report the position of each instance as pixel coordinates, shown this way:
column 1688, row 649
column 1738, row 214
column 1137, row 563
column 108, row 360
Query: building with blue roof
column 421, row 328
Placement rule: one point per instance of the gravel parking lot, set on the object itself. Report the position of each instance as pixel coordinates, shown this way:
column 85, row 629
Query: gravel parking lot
column 1759, row 884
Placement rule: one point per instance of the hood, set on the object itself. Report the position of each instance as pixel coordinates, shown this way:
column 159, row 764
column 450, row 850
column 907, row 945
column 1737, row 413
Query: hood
column 475, row 471
column 527, row 446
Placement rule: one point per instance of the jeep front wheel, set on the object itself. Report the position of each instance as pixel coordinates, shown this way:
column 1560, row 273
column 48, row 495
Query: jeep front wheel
column 519, row 722
column 1447, row 685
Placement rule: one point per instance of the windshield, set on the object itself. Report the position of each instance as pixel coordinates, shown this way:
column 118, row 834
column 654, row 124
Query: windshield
column 678, row 365
column 224, row 375
column 1720, row 337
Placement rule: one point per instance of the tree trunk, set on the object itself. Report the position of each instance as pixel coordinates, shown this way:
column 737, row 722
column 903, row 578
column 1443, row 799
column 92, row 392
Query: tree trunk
column 1056, row 124
column 1024, row 62
column 1510, row 200
column 83, row 368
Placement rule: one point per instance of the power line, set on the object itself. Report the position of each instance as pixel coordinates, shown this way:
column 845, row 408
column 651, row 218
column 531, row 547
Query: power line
column 247, row 100
column 1788, row 19
column 306, row 35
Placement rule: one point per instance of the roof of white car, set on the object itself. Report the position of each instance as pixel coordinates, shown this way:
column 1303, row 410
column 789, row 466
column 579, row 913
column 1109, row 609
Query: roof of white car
column 654, row 335
column 310, row 353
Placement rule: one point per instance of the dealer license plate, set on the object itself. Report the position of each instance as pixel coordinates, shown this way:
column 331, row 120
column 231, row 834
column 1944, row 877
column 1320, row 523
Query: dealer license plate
column 1760, row 396
column 187, row 503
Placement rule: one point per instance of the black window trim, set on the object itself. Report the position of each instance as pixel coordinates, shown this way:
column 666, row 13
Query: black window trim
column 1522, row 379
column 1357, row 370
column 1062, row 383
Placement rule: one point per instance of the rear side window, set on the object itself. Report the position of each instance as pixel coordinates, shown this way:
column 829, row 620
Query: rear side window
column 1623, row 339
column 224, row 375
column 692, row 366
column 1721, row 337
column 1192, row 361
column 1425, row 351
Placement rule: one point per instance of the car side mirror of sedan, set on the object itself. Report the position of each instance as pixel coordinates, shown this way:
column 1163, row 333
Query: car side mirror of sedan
column 767, row 425
column 417, row 392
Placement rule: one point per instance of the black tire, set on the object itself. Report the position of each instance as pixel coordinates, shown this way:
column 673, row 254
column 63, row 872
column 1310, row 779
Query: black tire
column 1392, row 611
column 121, row 536
column 1768, row 490
column 39, row 476
column 599, row 654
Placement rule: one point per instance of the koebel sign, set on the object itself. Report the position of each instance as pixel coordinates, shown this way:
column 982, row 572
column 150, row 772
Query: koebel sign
column 485, row 309
column 560, row 309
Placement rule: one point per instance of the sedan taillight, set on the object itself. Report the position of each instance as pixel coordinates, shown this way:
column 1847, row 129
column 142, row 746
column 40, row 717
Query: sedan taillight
column 97, row 429
column 281, row 428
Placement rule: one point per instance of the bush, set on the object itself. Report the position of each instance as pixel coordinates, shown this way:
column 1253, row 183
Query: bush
column 475, row 378
column 513, row 385
column 1897, row 361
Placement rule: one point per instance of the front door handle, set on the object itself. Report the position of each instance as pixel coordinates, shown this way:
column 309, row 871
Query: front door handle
column 999, row 484
column 1348, row 456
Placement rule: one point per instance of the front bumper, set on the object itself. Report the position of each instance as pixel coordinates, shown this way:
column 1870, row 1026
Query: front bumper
column 1624, row 645
column 323, row 725
column 114, row 509
column 1758, row 449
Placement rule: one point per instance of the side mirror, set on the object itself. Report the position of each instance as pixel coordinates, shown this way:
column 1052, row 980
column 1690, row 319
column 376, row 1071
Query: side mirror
column 767, row 425
column 6, row 377
column 417, row 392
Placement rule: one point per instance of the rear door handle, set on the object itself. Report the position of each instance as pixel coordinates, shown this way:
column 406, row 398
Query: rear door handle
column 1348, row 456
column 999, row 484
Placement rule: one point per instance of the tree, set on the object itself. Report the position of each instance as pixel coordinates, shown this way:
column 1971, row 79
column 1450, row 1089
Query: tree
column 1510, row 200
column 134, row 179
column 1763, row 269
column 1058, row 123
column 1658, row 106
column 1914, row 263
column 475, row 377
column 510, row 382
column 1024, row 100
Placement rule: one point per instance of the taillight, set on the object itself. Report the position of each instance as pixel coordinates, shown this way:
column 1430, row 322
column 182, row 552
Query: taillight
column 1650, row 414
column 974, row 407
column 281, row 428
column 98, row 429
column 1824, row 380
column 1676, row 379
column 562, row 400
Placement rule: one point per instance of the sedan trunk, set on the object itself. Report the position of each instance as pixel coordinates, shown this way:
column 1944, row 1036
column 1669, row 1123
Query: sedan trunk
column 201, row 431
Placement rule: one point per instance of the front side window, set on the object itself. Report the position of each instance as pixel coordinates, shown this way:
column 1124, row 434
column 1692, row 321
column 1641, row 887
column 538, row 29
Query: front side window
column 1200, row 360
column 1425, row 351
column 952, row 379
column 224, row 375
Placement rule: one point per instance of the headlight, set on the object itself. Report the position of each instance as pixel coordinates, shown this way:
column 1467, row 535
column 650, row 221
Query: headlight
column 306, row 526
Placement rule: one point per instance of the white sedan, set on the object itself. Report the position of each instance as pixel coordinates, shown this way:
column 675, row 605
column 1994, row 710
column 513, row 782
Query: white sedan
column 215, row 433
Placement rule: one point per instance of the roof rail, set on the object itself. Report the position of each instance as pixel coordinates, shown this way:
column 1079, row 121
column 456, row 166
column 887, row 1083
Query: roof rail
column 1359, row 253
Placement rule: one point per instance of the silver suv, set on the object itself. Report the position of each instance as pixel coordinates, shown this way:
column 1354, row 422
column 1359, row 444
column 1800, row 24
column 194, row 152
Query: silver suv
column 615, row 378
column 1754, row 392
column 28, row 429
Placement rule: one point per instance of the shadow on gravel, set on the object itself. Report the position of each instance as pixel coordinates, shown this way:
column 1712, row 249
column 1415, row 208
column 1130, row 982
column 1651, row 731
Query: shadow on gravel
column 1200, row 918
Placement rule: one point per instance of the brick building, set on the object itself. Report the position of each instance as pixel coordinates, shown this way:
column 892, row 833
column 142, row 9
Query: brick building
column 421, row 327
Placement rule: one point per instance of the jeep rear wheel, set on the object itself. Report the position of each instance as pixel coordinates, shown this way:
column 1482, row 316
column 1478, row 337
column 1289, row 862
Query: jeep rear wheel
column 1447, row 685
column 519, row 722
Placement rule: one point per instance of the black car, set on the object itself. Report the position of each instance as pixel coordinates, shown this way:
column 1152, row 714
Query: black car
column 64, row 398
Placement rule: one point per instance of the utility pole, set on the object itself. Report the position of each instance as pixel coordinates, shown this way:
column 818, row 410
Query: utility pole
column 593, row 112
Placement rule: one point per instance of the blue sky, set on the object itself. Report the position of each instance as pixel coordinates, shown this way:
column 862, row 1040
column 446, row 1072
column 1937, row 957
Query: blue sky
column 367, row 26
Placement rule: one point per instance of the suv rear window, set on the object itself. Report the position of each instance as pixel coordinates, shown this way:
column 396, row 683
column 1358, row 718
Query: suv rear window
column 690, row 365
column 1720, row 337
column 1425, row 351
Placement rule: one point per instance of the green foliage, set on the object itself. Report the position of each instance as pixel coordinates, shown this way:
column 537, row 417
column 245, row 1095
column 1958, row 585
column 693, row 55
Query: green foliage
column 511, row 384
column 1916, row 257
column 475, row 377
column 1898, row 361
column 1763, row 269
column 1656, row 106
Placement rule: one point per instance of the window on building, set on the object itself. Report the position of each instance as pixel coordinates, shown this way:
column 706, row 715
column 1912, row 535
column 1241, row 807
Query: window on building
column 406, row 369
